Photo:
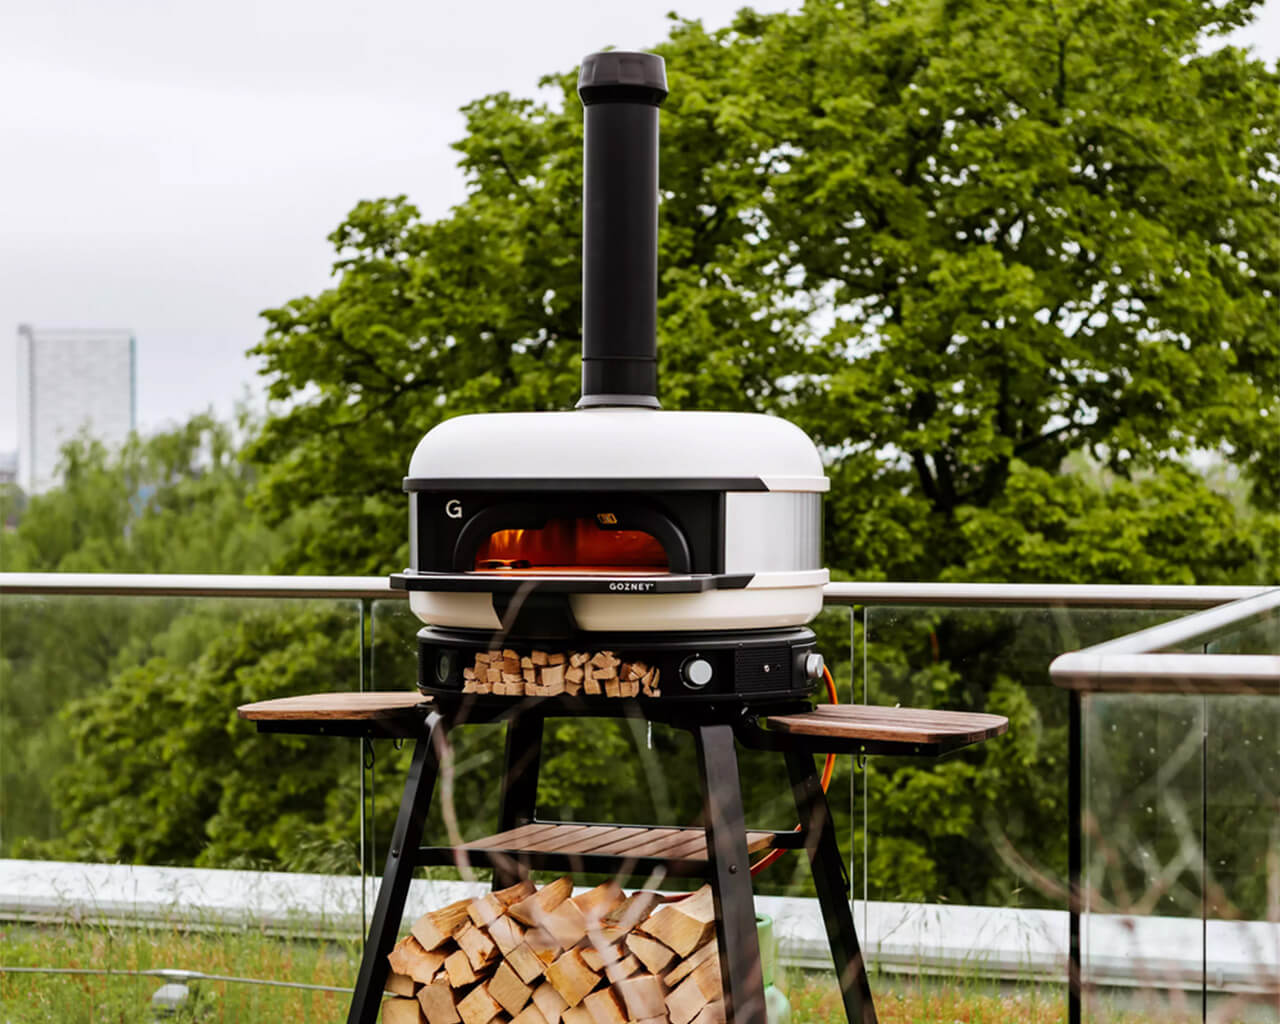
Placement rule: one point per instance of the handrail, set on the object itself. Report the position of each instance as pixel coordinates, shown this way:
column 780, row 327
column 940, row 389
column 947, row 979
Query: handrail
column 112, row 584
column 1065, row 595
column 1135, row 663
column 377, row 587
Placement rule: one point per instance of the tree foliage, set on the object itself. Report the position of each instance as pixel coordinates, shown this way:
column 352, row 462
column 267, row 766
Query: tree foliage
column 955, row 242
column 1012, row 265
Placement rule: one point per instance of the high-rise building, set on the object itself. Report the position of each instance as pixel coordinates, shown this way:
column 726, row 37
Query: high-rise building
column 69, row 382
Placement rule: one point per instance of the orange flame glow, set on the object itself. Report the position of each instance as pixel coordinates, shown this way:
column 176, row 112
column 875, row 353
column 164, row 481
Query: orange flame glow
column 577, row 544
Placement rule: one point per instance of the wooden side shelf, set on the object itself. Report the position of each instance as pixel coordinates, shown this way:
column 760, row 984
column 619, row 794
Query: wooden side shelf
column 836, row 729
column 872, row 729
column 387, row 714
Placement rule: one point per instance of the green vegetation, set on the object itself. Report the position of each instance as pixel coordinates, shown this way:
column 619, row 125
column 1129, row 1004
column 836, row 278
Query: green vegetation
column 95, row 998
column 1011, row 265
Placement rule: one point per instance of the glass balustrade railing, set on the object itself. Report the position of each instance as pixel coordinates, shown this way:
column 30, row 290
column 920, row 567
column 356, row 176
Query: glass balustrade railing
column 119, row 744
column 119, row 741
column 1180, row 819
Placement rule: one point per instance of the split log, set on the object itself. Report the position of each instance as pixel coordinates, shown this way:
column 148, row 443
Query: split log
column 598, row 957
column 457, row 969
column 701, row 987
column 549, row 1002
column 538, row 658
column 529, row 1015
column 686, row 925
column 478, row 1007
column 606, row 1007
column 653, row 954
column 597, row 902
column 438, row 1003
column 566, row 924
column 620, row 921
column 525, row 963
column 399, row 984
column 572, row 978
column 712, row 1013
column 408, row 957
column 643, row 996
column 491, row 906
column 622, row 969
column 542, row 944
column 530, row 909
column 506, row 987
column 480, row 949
column 401, row 1011
column 506, row 935
column 683, row 969
column 576, row 1015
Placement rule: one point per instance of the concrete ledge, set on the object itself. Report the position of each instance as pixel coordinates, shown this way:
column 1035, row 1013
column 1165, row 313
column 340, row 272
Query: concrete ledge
column 926, row 939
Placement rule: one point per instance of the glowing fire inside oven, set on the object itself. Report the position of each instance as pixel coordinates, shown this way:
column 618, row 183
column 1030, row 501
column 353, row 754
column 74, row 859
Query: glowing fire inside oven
column 577, row 545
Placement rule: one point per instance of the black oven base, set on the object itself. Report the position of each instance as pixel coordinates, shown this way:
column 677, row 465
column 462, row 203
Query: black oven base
column 747, row 667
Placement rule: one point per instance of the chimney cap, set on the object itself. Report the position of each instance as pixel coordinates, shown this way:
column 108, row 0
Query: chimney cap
column 622, row 76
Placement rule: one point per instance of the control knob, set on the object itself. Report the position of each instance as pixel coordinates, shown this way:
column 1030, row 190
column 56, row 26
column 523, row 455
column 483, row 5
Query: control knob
column 696, row 672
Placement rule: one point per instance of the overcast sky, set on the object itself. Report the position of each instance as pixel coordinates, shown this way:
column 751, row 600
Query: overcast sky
column 174, row 168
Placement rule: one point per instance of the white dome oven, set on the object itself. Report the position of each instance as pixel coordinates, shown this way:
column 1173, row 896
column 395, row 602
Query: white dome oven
column 617, row 551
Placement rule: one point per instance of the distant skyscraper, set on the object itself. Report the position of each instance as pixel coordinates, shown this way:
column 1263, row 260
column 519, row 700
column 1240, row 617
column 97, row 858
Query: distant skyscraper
column 71, row 381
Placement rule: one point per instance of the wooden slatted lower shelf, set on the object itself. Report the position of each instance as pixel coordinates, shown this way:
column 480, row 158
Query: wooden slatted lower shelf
column 635, row 849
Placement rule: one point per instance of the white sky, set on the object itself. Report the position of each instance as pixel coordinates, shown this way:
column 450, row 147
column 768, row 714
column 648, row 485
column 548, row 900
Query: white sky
column 175, row 168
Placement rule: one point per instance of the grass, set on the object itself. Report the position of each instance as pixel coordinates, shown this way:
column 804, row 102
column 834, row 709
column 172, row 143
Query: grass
column 125, row 999
column 122, row 999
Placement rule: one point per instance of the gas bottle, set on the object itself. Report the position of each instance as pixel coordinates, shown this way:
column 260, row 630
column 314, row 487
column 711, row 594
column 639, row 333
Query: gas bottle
column 776, row 1005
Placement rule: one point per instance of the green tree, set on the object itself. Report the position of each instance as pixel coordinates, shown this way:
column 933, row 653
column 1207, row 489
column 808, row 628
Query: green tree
column 948, row 239
column 174, row 502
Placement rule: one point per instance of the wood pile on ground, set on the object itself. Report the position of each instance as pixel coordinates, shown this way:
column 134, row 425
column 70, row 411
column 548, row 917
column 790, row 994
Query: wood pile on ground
column 544, row 956
column 546, row 674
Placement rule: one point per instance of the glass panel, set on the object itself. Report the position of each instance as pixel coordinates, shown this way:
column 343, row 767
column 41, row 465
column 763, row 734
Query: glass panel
column 987, row 826
column 1242, row 855
column 120, row 741
column 1144, row 856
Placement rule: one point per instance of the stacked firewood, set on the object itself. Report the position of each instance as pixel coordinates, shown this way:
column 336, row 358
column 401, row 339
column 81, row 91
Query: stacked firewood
column 543, row 956
column 543, row 674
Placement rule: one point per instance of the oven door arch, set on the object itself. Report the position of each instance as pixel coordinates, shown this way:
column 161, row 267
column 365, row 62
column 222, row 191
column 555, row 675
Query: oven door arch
column 551, row 523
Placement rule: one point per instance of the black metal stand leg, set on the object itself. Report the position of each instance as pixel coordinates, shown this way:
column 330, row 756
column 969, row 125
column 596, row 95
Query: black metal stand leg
column 730, row 874
column 519, row 784
column 828, row 876
column 401, row 860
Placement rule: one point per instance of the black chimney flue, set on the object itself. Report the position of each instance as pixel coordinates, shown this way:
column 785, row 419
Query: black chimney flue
column 621, row 93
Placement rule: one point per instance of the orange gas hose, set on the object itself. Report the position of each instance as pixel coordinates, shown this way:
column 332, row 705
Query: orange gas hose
column 827, row 770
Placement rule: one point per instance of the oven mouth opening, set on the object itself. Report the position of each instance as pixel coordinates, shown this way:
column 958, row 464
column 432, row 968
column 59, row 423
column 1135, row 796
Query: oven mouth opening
column 572, row 539
column 573, row 546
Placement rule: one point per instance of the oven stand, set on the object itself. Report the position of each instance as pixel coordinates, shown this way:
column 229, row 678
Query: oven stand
column 727, row 866
column 717, row 850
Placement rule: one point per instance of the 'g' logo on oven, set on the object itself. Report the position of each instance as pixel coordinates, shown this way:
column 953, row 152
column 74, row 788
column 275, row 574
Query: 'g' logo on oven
column 453, row 508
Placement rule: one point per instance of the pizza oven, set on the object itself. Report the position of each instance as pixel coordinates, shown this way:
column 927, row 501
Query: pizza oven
column 617, row 550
